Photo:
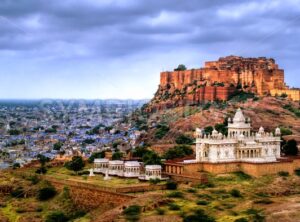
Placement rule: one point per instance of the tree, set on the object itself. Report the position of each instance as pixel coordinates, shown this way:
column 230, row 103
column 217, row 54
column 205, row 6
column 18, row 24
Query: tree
column 76, row 164
column 184, row 139
column 16, row 165
column 198, row 215
column 151, row 158
column 290, row 148
column 46, row 193
column 117, row 155
column 161, row 131
column 43, row 160
column 208, row 129
column 180, row 67
column 178, row 151
column 57, row 146
column 96, row 155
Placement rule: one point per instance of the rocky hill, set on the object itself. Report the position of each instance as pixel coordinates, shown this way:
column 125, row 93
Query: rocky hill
column 217, row 81
column 167, row 124
column 187, row 99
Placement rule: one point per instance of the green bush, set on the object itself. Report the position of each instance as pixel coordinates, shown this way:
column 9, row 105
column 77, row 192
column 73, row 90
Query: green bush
column 171, row 185
column 290, row 148
column 56, row 216
column 46, row 193
column 41, row 170
column 132, row 213
column 242, row 176
column 235, row 193
column 154, row 181
column 178, row 151
column 34, row 179
column 191, row 190
column 175, row 194
column 297, row 172
column 255, row 215
column 202, row 202
column 263, row 201
column 173, row 206
column 161, row 131
column 283, row 174
column 76, row 164
column 285, row 131
column 160, row 211
column 197, row 216
column 95, row 156
column 184, row 139
column 18, row 192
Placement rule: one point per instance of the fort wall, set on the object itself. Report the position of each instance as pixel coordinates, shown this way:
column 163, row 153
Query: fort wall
column 253, row 169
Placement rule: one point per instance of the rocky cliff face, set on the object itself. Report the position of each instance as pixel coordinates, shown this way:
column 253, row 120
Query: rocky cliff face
column 217, row 81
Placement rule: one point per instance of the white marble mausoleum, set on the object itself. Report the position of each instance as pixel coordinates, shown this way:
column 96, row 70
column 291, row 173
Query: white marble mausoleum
column 241, row 145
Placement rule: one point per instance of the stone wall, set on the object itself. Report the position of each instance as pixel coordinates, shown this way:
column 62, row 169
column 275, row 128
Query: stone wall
column 88, row 196
column 293, row 94
column 253, row 169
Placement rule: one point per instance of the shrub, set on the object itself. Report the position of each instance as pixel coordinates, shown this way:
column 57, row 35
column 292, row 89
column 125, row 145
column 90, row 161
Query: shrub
column 46, row 193
column 171, row 185
column 235, row 193
column 154, row 181
column 285, row 131
column 56, row 216
column 117, row 155
column 161, row 131
column 173, row 206
column 198, row 215
column 76, row 164
column 175, row 194
column 41, row 170
column 18, row 192
column 263, row 201
column 180, row 67
column 191, row 190
column 132, row 213
column 95, row 156
column 255, row 215
column 160, row 211
column 151, row 158
column 202, row 202
column 242, row 176
column 178, row 151
column 34, row 179
column 283, row 174
column 290, row 148
column 297, row 172
column 184, row 139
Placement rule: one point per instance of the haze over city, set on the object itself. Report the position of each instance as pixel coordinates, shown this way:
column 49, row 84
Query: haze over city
column 116, row 49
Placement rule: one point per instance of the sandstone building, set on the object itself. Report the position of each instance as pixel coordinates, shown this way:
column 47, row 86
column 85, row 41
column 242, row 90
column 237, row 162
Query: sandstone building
column 218, row 80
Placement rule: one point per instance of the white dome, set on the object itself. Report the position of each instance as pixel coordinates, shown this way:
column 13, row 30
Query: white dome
column 277, row 131
column 261, row 130
column 239, row 116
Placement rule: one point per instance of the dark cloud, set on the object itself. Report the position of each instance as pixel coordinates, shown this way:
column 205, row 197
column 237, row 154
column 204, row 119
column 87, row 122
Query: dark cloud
column 100, row 30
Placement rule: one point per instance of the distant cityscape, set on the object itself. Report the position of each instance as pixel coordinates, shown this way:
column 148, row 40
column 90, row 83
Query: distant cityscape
column 62, row 128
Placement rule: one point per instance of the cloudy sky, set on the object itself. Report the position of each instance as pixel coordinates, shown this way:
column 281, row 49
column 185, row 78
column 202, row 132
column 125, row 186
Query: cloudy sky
column 116, row 48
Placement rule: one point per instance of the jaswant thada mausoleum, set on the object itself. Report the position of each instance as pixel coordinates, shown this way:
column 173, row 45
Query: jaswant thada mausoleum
column 254, row 153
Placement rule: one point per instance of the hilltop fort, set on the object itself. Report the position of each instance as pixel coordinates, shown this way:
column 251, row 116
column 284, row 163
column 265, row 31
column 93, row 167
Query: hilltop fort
column 219, row 80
